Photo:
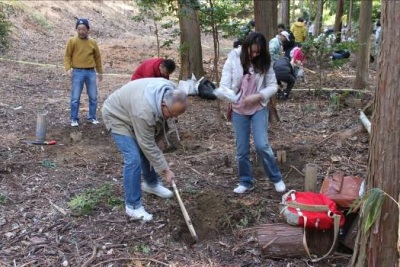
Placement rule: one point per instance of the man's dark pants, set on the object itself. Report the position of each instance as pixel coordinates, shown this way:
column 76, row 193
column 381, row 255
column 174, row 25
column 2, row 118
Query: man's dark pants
column 287, row 78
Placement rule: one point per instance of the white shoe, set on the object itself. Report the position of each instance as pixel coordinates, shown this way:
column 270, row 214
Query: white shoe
column 74, row 123
column 241, row 189
column 158, row 190
column 138, row 214
column 93, row 121
column 280, row 186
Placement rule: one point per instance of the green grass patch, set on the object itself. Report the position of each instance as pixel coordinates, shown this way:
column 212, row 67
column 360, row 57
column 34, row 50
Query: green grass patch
column 3, row 199
column 85, row 203
column 41, row 20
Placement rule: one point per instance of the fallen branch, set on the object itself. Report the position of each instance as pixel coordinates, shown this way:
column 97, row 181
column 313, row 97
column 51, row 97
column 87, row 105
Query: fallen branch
column 365, row 121
column 59, row 209
column 302, row 174
column 193, row 169
column 28, row 263
column 84, row 159
column 332, row 90
column 131, row 259
column 288, row 174
column 92, row 258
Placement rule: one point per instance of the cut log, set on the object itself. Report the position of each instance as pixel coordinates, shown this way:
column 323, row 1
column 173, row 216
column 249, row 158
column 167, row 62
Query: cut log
column 282, row 240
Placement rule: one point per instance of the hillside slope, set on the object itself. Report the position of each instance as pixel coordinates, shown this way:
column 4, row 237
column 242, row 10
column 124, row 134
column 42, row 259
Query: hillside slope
column 42, row 28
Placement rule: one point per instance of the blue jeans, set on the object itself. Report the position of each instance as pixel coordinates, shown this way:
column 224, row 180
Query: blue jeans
column 79, row 78
column 135, row 164
column 242, row 125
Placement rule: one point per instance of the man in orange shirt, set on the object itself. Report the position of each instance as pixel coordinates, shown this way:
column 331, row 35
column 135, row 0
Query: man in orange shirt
column 153, row 68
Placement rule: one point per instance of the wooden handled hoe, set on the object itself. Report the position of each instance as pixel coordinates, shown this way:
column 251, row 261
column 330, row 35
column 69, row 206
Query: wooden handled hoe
column 185, row 213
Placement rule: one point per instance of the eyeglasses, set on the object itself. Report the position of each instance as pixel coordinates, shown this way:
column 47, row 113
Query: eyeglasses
column 169, row 112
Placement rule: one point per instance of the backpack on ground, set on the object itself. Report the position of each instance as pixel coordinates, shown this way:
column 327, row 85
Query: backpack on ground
column 205, row 89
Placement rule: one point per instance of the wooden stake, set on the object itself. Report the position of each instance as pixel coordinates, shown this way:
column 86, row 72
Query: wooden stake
column 279, row 156
column 311, row 177
column 283, row 156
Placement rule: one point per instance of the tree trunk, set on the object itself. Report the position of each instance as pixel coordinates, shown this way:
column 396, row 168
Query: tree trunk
column 190, row 41
column 293, row 17
column 265, row 19
column 285, row 12
column 348, row 32
column 338, row 20
column 301, row 6
column 378, row 247
column 362, row 69
column 318, row 18
column 215, row 75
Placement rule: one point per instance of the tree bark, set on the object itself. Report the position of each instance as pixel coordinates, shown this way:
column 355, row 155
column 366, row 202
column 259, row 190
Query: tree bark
column 378, row 247
column 285, row 12
column 348, row 32
column 293, row 17
column 362, row 69
column 190, row 41
column 338, row 20
column 318, row 18
column 265, row 19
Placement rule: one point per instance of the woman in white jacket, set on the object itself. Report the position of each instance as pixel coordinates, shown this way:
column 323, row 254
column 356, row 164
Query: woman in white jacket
column 248, row 72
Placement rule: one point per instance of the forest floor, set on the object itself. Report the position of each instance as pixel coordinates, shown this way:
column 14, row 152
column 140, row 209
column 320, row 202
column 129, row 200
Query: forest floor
column 39, row 228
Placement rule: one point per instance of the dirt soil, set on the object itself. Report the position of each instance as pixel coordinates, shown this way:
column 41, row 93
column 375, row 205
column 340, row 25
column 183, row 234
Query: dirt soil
column 39, row 228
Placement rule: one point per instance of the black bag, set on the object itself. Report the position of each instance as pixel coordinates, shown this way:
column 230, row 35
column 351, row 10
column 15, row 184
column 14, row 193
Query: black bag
column 205, row 89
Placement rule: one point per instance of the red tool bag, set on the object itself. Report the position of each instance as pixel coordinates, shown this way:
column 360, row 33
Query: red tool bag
column 311, row 210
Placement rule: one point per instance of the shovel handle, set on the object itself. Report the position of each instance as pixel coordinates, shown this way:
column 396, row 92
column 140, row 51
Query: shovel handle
column 185, row 213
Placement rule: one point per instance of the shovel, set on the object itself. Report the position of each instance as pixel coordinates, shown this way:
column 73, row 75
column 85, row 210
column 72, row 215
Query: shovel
column 51, row 142
column 185, row 214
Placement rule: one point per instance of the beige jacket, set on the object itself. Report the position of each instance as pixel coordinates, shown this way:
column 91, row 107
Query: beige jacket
column 135, row 110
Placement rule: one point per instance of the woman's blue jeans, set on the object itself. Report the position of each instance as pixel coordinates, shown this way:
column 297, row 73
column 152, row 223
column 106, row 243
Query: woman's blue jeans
column 82, row 77
column 242, row 125
column 135, row 164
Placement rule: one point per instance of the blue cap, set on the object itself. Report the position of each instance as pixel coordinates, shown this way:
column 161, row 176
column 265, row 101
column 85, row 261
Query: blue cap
column 82, row 21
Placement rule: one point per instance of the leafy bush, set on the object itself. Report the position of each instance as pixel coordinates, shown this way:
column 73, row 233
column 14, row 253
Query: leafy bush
column 319, row 50
column 5, row 31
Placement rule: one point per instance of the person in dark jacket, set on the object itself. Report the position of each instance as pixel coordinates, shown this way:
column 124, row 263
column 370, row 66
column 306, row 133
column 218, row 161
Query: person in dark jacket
column 284, row 73
column 244, row 31
column 287, row 45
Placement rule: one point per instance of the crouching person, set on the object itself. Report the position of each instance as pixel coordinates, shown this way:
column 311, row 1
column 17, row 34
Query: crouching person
column 284, row 73
column 135, row 114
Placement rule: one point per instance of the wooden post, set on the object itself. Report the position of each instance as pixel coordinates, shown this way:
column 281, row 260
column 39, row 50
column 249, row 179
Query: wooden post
column 281, row 156
column 41, row 126
column 311, row 177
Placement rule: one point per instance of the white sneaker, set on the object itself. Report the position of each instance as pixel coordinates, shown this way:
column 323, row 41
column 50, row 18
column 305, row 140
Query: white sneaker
column 93, row 121
column 241, row 189
column 280, row 186
column 74, row 123
column 158, row 190
column 138, row 214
